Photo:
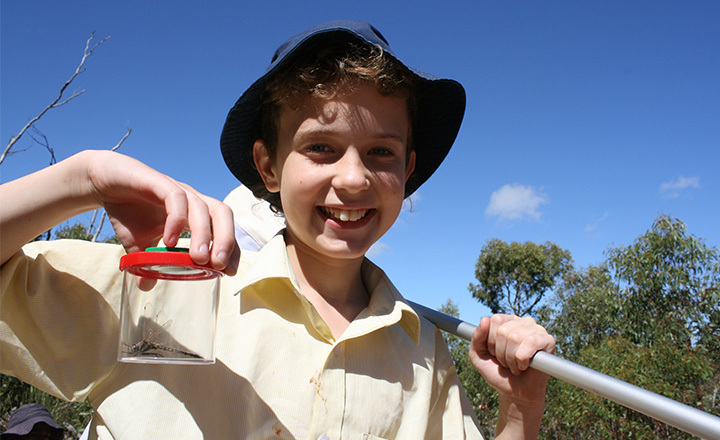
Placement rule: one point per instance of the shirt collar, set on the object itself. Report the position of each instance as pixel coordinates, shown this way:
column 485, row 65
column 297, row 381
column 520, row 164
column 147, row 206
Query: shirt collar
column 270, row 262
column 386, row 308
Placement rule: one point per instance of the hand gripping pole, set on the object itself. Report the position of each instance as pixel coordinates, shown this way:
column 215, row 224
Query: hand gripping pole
column 672, row 412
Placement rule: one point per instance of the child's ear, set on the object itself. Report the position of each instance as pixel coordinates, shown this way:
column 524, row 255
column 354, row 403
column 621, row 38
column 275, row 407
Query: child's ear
column 265, row 166
column 410, row 166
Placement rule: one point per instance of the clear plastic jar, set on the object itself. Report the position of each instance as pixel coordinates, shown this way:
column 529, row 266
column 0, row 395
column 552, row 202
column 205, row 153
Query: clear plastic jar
column 169, row 308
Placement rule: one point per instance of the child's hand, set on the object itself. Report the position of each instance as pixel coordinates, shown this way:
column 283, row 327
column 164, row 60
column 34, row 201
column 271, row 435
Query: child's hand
column 145, row 205
column 501, row 350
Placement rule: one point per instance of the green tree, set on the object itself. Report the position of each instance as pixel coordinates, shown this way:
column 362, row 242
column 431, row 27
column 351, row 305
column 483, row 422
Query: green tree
column 669, row 281
column 584, row 310
column 647, row 316
column 79, row 231
column 513, row 278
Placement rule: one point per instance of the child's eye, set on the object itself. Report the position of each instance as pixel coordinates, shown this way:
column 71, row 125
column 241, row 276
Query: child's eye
column 381, row 151
column 318, row 148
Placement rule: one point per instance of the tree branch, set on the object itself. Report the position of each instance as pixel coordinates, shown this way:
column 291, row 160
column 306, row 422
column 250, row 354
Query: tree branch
column 97, row 231
column 45, row 143
column 57, row 103
column 129, row 130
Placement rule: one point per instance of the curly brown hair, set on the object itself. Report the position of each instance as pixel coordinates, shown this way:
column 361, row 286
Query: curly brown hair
column 338, row 67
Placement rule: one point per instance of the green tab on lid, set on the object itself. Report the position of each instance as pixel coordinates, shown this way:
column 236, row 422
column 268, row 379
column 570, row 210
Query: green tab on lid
column 167, row 249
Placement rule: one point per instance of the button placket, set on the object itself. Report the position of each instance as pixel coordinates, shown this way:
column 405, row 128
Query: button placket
column 329, row 405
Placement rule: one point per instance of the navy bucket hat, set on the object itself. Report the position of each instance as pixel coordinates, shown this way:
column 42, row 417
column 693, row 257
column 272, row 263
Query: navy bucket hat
column 440, row 105
column 26, row 417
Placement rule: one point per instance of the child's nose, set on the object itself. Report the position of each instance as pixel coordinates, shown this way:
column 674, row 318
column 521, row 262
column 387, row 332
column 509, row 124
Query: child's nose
column 351, row 174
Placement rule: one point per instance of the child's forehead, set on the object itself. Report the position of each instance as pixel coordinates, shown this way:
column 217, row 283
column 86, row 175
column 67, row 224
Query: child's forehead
column 335, row 91
column 360, row 109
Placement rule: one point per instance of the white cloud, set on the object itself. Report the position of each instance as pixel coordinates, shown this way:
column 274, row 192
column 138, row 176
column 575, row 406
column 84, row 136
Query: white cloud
column 378, row 248
column 515, row 202
column 411, row 202
column 673, row 188
column 591, row 228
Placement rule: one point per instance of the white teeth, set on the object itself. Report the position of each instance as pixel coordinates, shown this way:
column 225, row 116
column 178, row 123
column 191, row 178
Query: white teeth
column 346, row 215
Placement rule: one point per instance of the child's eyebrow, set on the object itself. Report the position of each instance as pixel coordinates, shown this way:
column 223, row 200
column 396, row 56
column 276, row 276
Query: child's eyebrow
column 312, row 134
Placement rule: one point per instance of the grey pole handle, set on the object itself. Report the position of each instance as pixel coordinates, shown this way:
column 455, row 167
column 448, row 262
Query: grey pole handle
column 672, row 412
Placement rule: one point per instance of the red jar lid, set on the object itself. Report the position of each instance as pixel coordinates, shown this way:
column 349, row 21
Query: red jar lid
column 166, row 264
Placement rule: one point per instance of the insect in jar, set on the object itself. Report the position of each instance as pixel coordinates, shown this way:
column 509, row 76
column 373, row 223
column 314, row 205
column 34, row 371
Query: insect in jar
column 148, row 347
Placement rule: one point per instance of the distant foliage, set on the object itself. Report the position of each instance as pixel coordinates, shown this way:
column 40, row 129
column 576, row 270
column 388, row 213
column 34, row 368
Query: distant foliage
column 648, row 315
column 668, row 281
column 78, row 231
column 513, row 278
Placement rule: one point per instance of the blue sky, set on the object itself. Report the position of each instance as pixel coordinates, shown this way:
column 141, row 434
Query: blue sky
column 585, row 120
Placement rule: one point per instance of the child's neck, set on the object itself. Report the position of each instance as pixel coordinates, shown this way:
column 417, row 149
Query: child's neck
column 333, row 286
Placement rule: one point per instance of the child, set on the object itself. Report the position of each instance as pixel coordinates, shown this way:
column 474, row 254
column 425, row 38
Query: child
column 318, row 343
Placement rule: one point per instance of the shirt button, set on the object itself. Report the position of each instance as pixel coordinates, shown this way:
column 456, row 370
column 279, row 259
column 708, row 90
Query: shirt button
column 323, row 437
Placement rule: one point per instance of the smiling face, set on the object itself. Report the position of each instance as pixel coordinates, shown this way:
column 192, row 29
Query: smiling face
column 340, row 167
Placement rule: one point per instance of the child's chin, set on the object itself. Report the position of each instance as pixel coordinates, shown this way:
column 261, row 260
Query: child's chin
column 345, row 250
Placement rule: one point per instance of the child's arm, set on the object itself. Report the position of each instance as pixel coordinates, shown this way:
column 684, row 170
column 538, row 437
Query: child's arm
column 501, row 349
column 143, row 205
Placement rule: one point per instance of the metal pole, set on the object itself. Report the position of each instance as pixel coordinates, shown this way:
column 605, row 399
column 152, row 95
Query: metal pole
column 672, row 412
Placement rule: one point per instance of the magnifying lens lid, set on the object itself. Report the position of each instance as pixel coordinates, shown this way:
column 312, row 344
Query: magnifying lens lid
column 166, row 264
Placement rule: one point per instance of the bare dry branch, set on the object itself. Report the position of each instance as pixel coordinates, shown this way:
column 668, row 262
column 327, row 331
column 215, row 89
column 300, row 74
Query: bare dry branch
column 129, row 130
column 99, row 228
column 74, row 95
column 92, row 220
column 57, row 102
column 20, row 150
column 45, row 143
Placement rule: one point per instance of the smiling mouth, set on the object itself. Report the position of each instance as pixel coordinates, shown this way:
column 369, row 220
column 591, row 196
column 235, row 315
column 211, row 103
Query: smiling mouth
column 344, row 215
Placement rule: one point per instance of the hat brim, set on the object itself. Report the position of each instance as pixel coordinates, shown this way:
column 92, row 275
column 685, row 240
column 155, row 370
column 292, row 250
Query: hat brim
column 26, row 417
column 440, row 107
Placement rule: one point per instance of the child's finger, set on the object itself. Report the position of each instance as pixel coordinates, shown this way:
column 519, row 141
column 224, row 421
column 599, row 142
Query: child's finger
column 200, row 225
column 539, row 340
column 498, row 337
column 176, row 216
column 225, row 248
column 145, row 283
column 234, row 261
column 522, row 338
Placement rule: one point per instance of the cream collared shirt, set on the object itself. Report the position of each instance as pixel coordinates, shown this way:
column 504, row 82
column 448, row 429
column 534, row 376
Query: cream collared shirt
column 279, row 372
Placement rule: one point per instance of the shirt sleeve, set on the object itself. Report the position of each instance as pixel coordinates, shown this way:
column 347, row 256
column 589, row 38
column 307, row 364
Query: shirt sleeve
column 451, row 408
column 59, row 308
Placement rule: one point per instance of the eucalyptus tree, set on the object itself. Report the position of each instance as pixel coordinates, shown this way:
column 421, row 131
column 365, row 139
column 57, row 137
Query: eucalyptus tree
column 648, row 315
column 514, row 278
